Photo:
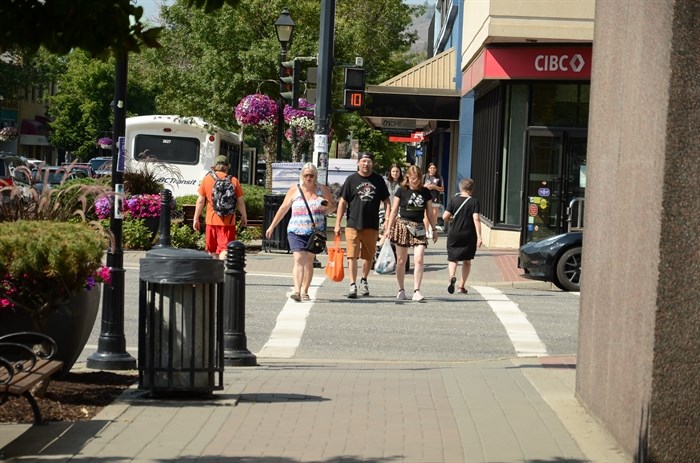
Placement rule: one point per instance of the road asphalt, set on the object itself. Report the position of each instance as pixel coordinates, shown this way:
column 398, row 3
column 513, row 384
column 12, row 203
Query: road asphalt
column 506, row 410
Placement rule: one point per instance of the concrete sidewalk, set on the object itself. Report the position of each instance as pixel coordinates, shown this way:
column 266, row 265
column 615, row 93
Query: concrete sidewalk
column 518, row 410
column 501, row 411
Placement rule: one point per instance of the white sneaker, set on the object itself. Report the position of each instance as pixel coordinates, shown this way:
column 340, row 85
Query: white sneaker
column 402, row 295
column 417, row 296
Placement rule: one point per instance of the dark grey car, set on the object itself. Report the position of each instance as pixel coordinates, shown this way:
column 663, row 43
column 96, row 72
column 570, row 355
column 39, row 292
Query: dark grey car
column 556, row 259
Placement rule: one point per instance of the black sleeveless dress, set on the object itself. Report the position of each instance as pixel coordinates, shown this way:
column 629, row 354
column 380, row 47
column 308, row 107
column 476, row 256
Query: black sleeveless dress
column 461, row 237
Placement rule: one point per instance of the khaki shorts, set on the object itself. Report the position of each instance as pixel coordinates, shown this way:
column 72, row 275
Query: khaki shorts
column 361, row 243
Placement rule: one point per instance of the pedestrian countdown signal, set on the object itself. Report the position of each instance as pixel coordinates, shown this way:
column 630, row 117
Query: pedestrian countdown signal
column 354, row 89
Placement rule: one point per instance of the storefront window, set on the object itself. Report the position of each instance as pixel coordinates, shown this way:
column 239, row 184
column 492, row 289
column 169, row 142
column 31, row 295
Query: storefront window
column 514, row 125
column 560, row 105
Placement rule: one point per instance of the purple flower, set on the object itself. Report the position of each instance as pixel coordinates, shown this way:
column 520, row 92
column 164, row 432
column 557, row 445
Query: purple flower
column 142, row 206
column 104, row 141
column 102, row 208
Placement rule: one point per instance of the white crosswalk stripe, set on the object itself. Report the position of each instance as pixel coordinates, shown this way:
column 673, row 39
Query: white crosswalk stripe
column 520, row 331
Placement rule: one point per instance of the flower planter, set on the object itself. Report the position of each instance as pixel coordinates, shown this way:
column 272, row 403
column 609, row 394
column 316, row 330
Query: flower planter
column 69, row 324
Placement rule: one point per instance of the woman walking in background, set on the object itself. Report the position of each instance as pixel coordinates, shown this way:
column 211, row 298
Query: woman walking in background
column 300, row 228
column 464, row 235
column 433, row 182
column 410, row 208
column 394, row 179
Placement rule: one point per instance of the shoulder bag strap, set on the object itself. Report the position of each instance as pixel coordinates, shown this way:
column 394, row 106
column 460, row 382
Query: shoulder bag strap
column 313, row 224
column 460, row 207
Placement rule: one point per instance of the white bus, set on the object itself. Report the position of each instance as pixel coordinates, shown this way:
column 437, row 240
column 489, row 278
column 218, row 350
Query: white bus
column 188, row 147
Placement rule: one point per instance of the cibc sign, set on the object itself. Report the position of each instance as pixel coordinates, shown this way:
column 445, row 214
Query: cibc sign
column 564, row 62
column 559, row 62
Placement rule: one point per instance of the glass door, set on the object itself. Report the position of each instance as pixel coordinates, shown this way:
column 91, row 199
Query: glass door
column 555, row 182
column 542, row 184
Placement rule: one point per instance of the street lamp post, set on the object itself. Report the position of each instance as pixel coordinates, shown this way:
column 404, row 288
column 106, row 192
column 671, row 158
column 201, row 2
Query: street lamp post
column 111, row 346
column 284, row 27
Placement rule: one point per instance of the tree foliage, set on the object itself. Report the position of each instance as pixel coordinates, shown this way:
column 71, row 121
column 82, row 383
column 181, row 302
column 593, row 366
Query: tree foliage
column 209, row 61
column 81, row 111
column 62, row 25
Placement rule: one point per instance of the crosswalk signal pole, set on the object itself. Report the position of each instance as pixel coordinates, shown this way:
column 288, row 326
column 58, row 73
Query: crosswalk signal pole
column 323, row 89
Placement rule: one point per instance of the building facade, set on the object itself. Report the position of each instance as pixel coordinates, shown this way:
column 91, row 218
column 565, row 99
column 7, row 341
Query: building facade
column 525, row 85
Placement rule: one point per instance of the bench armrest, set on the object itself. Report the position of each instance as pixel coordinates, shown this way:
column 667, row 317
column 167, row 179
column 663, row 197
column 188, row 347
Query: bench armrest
column 41, row 345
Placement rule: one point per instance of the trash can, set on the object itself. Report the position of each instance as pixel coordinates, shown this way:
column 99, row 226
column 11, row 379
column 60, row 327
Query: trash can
column 278, row 241
column 181, row 341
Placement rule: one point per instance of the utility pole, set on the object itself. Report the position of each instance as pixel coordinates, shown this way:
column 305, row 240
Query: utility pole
column 323, row 89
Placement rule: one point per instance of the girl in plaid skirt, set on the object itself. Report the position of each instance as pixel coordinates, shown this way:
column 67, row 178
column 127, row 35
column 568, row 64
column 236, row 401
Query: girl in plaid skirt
column 405, row 224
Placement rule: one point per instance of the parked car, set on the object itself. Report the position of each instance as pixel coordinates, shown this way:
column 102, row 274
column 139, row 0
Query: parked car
column 556, row 259
column 101, row 165
column 54, row 176
column 85, row 167
column 13, row 171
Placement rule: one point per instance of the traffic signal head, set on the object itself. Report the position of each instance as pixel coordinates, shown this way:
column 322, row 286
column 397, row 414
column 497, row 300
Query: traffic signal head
column 290, row 79
column 354, row 89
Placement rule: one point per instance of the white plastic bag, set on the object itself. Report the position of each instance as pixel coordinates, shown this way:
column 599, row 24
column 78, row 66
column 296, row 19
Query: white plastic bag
column 386, row 262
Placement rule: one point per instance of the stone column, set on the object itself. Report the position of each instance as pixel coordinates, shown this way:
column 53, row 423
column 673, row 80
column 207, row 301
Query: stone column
column 639, row 335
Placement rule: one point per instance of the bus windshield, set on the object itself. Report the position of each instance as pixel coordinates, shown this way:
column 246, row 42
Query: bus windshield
column 175, row 150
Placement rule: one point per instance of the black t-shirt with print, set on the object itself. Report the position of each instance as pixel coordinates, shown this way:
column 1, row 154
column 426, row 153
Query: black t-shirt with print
column 412, row 203
column 364, row 196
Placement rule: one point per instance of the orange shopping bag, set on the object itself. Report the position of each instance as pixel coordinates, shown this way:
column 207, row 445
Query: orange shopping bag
column 334, row 268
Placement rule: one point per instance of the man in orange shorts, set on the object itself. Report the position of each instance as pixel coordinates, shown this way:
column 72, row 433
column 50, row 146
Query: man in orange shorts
column 361, row 195
column 220, row 230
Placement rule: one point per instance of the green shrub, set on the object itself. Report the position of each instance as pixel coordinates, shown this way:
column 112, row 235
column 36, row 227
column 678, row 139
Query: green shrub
column 254, row 196
column 42, row 262
column 185, row 200
column 136, row 235
column 247, row 234
column 184, row 236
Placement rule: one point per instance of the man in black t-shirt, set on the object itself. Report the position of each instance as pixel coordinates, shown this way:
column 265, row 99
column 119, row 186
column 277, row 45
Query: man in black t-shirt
column 361, row 195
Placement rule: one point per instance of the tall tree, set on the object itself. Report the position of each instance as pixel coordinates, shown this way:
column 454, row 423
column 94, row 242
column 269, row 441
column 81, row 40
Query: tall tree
column 81, row 110
column 211, row 60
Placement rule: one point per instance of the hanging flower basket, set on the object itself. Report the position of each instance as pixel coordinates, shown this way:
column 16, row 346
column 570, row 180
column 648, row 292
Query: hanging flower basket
column 8, row 134
column 105, row 142
column 257, row 110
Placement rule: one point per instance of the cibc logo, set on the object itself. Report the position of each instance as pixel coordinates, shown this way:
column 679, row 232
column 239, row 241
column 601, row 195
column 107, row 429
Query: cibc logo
column 544, row 63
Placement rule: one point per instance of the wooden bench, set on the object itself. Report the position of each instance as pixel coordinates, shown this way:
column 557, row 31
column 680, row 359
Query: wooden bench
column 25, row 360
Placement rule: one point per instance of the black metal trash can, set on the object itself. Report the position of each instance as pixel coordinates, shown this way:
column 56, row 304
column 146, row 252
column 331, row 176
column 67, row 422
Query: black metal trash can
column 181, row 336
column 279, row 240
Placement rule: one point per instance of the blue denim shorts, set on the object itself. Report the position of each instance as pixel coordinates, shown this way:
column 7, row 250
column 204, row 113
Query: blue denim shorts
column 297, row 242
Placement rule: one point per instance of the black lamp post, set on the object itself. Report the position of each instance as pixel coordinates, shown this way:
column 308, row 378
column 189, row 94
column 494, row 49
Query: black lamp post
column 284, row 27
column 111, row 346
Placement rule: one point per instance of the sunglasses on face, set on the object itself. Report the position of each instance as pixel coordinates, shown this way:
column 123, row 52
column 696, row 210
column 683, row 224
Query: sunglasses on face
column 309, row 176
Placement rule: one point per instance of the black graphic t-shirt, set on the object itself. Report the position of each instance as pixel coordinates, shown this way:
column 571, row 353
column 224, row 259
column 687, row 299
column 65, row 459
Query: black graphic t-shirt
column 364, row 196
column 412, row 203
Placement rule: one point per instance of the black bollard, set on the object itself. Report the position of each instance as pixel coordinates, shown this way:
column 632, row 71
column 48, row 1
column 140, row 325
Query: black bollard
column 236, row 351
column 164, row 241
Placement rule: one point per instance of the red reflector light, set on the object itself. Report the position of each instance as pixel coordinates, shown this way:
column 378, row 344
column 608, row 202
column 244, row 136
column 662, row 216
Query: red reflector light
column 167, row 129
column 212, row 138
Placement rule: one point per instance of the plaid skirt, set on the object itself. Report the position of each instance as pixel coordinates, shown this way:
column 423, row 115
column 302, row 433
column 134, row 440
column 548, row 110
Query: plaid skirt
column 401, row 237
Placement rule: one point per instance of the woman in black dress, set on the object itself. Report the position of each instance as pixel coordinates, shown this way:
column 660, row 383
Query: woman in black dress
column 464, row 235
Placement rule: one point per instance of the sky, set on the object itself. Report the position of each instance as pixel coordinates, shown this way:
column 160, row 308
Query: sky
column 151, row 8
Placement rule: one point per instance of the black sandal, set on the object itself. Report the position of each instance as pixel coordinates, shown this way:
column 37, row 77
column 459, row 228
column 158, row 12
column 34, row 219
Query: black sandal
column 451, row 288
